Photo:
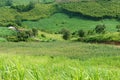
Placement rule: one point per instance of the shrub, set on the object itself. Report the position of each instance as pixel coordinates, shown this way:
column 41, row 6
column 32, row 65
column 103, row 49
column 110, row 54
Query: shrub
column 42, row 35
column 81, row 33
column 118, row 28
column 35, row 31
column 100, row 28
column 66, row 34
column 12, row 38
column 24, row 35
column 90, row 32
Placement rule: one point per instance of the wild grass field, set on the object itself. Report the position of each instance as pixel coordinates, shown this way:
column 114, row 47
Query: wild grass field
column 59, row 60
column 60, row 20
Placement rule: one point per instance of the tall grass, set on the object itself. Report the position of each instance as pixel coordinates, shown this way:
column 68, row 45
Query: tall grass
column 60, row 68
column 59, row 60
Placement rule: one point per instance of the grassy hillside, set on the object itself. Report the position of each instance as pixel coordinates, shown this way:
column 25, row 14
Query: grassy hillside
column 94, row 9
column 59, row 60
column 22, row 2
column 60, row 20
column 8, row 15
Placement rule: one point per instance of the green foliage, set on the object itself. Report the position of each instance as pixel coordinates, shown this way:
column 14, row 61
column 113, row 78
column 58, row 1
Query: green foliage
column 23, row 35
column 66, row 34
column 35, row 31
column 40, row 11
column 9, row 3
column 8, row 15
column 90, row 32
column 55, row 22
column 3, row 39
column 5, row 3
column 118, row 28
column 12, row 39
column 24, row 8
column 81, row 33
column 59, row 61
column 18, row 20
column 94, row 9
column 100, row 28
column 103, row 38
column 5, row 32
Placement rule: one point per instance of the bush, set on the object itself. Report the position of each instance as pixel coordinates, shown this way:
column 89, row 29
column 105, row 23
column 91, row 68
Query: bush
column 81, row 33
column 107, row 37
column 90, row 32
column 118, row 28
column 35, row 31
column 24, row 35
column 100, row 28
column 66, row 34
column 12, row 38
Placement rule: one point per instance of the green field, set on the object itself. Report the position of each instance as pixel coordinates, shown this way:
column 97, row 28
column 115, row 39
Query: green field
column 59, row 60
column 51, row 40
column 60, row 20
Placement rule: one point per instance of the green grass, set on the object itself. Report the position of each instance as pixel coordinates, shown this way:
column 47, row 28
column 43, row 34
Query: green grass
column 7, row 14
column 50, row 36
column 59, row 60
column 59, row 21
column 5, row 32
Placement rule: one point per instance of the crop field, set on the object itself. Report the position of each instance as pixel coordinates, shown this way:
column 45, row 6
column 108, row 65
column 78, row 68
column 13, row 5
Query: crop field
column 59, row 60
column 59, row 21
column 60, row 40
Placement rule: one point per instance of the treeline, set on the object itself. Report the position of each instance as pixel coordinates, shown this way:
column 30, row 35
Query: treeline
column 96, row 35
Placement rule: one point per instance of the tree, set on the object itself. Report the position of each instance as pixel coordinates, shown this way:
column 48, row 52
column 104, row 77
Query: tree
column 66, row 34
